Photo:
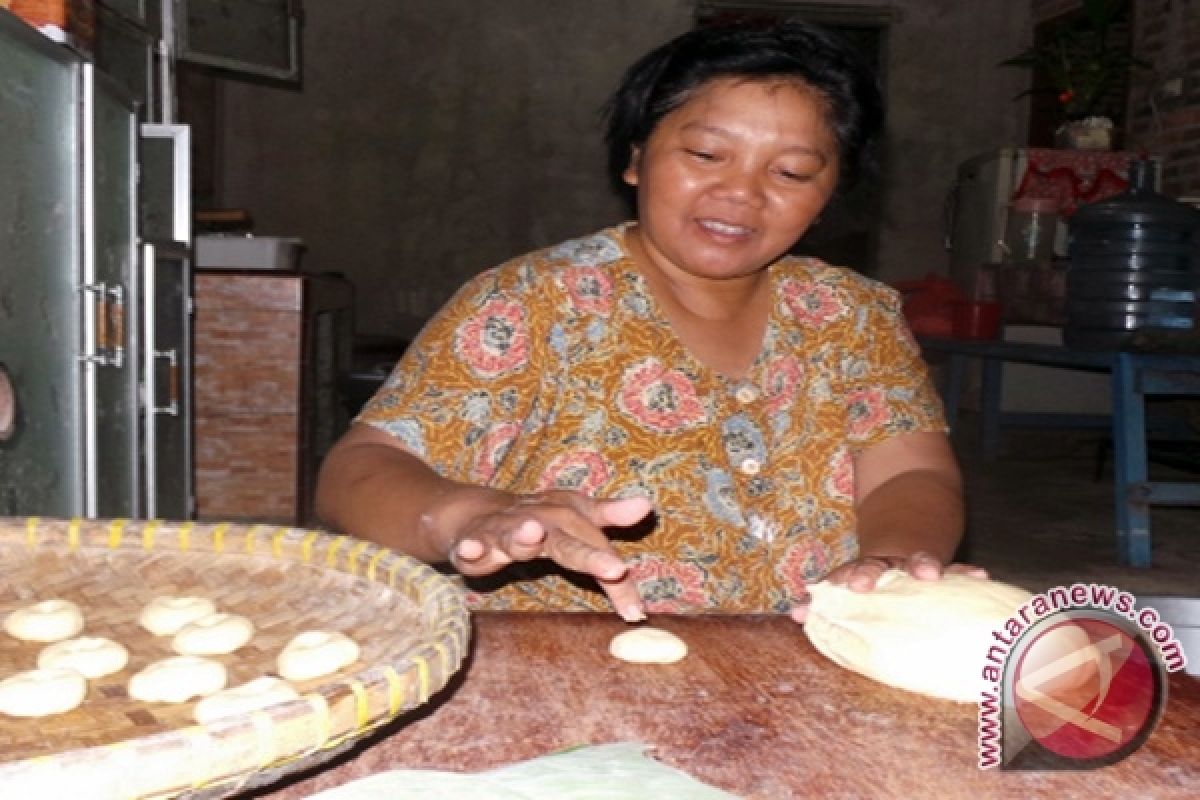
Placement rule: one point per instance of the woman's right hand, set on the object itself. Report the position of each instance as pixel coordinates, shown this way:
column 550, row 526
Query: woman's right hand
column 563, row 526
column 371, row 487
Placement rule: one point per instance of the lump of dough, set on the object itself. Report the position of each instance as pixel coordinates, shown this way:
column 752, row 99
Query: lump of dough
column 930, row 637
column 47, row 621
column 251, row 696
column 647, row 645
column 165, row 615
column 312, row 654
column 214, row 634
column 177, row 680
column 40, row 692
column 93, row 656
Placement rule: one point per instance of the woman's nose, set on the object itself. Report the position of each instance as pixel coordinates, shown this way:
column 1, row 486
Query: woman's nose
column 742, row 185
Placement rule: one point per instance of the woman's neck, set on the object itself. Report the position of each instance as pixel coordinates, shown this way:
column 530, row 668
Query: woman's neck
column 722, row 323
column 706, row 299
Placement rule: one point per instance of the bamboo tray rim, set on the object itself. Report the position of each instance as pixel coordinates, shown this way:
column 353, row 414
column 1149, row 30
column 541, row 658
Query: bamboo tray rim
column 250, row 750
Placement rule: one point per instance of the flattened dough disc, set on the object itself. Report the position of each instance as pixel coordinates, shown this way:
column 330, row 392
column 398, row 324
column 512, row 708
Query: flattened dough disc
column 930, row 637
column 647, row 645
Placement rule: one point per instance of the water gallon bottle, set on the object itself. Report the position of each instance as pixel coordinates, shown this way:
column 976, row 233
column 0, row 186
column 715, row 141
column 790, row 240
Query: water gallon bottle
column 1132, row 265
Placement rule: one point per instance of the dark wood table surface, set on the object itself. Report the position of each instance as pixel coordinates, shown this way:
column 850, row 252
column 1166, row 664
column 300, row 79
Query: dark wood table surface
column 753, row 709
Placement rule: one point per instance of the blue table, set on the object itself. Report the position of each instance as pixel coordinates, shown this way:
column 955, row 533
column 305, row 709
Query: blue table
column 1135, row 376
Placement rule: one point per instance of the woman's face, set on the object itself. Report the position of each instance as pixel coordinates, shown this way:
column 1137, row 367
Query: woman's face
column 727, row 182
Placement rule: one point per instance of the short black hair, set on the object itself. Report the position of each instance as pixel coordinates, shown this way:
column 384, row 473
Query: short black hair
column 791, row 49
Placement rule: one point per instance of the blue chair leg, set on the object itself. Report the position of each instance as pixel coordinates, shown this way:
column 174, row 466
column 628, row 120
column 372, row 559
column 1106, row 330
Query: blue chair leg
column 1129, row 463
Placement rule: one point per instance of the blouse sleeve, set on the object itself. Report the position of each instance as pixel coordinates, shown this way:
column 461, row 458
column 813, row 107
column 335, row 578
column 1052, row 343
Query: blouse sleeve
column 887, row 387
column 461, row 392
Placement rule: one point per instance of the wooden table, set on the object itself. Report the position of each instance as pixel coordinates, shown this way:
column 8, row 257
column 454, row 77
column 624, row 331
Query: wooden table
column 753, row 709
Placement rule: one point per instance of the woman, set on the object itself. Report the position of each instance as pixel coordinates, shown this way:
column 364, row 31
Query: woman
column 673, row 412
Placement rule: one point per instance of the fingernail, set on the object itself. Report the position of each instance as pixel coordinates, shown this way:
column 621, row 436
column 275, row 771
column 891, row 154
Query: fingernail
column 632, row 614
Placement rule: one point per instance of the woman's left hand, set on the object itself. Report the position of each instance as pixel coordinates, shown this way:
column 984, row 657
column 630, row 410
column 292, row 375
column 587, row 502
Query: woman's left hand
column 861, row 574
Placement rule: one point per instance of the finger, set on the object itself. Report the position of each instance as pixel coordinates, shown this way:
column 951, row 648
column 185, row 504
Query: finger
column 967, row 569
column 924, row 566
column 524, row 542
column 799, row 612
column 475, row 556
column 574, row 553
column 864, row 572
column 859, row 575
column 841, row 576
column 625, row 598
column 865, row 575
column 622, row 512
column 468, row 551
column 483, row 555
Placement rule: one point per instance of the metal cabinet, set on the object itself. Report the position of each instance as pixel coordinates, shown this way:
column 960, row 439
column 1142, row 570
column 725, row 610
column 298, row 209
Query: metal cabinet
column 41, row 137
column 93, row 321
column 167, row 380
column 109, row 293
column 164, row 222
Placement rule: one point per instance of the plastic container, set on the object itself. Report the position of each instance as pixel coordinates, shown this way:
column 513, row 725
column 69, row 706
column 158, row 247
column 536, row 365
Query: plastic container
column 1030, row 230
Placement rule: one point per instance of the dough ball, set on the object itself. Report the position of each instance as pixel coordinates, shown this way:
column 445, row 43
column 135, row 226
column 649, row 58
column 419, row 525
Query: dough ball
column 177, row 680
column 258, row 693
column 647, row 645
column 93, row 656
column 312, row 654
column 214, row 634
column 165, row 615
column 40, row 692
column 47, row 621
column 930, row 637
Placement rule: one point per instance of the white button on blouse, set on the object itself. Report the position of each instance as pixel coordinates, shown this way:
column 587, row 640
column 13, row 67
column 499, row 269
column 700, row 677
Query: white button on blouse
column 750, row 466
column 746, row 394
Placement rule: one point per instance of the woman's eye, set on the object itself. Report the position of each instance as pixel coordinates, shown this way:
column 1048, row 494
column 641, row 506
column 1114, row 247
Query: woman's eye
column 796, row 177
column 702, row 155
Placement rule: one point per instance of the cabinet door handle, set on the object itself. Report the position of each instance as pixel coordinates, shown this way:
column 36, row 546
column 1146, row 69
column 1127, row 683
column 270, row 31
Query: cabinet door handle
column 116, row 324
column 108, row 322
column 172, row 406
column 101, row 321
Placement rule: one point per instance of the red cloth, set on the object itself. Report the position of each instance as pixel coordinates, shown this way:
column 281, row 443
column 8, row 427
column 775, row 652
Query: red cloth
column 1075, row 177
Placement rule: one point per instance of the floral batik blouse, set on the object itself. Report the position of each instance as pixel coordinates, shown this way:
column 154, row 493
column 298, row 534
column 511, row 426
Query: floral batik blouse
column 558, row 370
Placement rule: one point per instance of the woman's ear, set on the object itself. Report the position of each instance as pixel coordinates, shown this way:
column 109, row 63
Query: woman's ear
column 635, row 160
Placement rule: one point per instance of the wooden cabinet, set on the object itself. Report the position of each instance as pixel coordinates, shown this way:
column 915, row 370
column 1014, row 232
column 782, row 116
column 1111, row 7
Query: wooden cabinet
column 270, row 348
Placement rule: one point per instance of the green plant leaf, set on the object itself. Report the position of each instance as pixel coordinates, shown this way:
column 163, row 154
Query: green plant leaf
column 1078, row 60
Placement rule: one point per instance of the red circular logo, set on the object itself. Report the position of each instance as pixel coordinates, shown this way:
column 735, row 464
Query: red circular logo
column 1086, row 688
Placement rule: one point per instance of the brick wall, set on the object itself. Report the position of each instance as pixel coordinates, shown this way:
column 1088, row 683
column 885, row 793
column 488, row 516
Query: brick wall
column 1164, row 102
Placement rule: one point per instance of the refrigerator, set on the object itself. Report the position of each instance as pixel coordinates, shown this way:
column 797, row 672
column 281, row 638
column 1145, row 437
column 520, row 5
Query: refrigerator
column 90, row 311
column 977, row 209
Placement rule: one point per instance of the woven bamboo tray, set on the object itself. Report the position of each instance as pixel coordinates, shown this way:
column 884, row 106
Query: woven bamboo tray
column 410, row 622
